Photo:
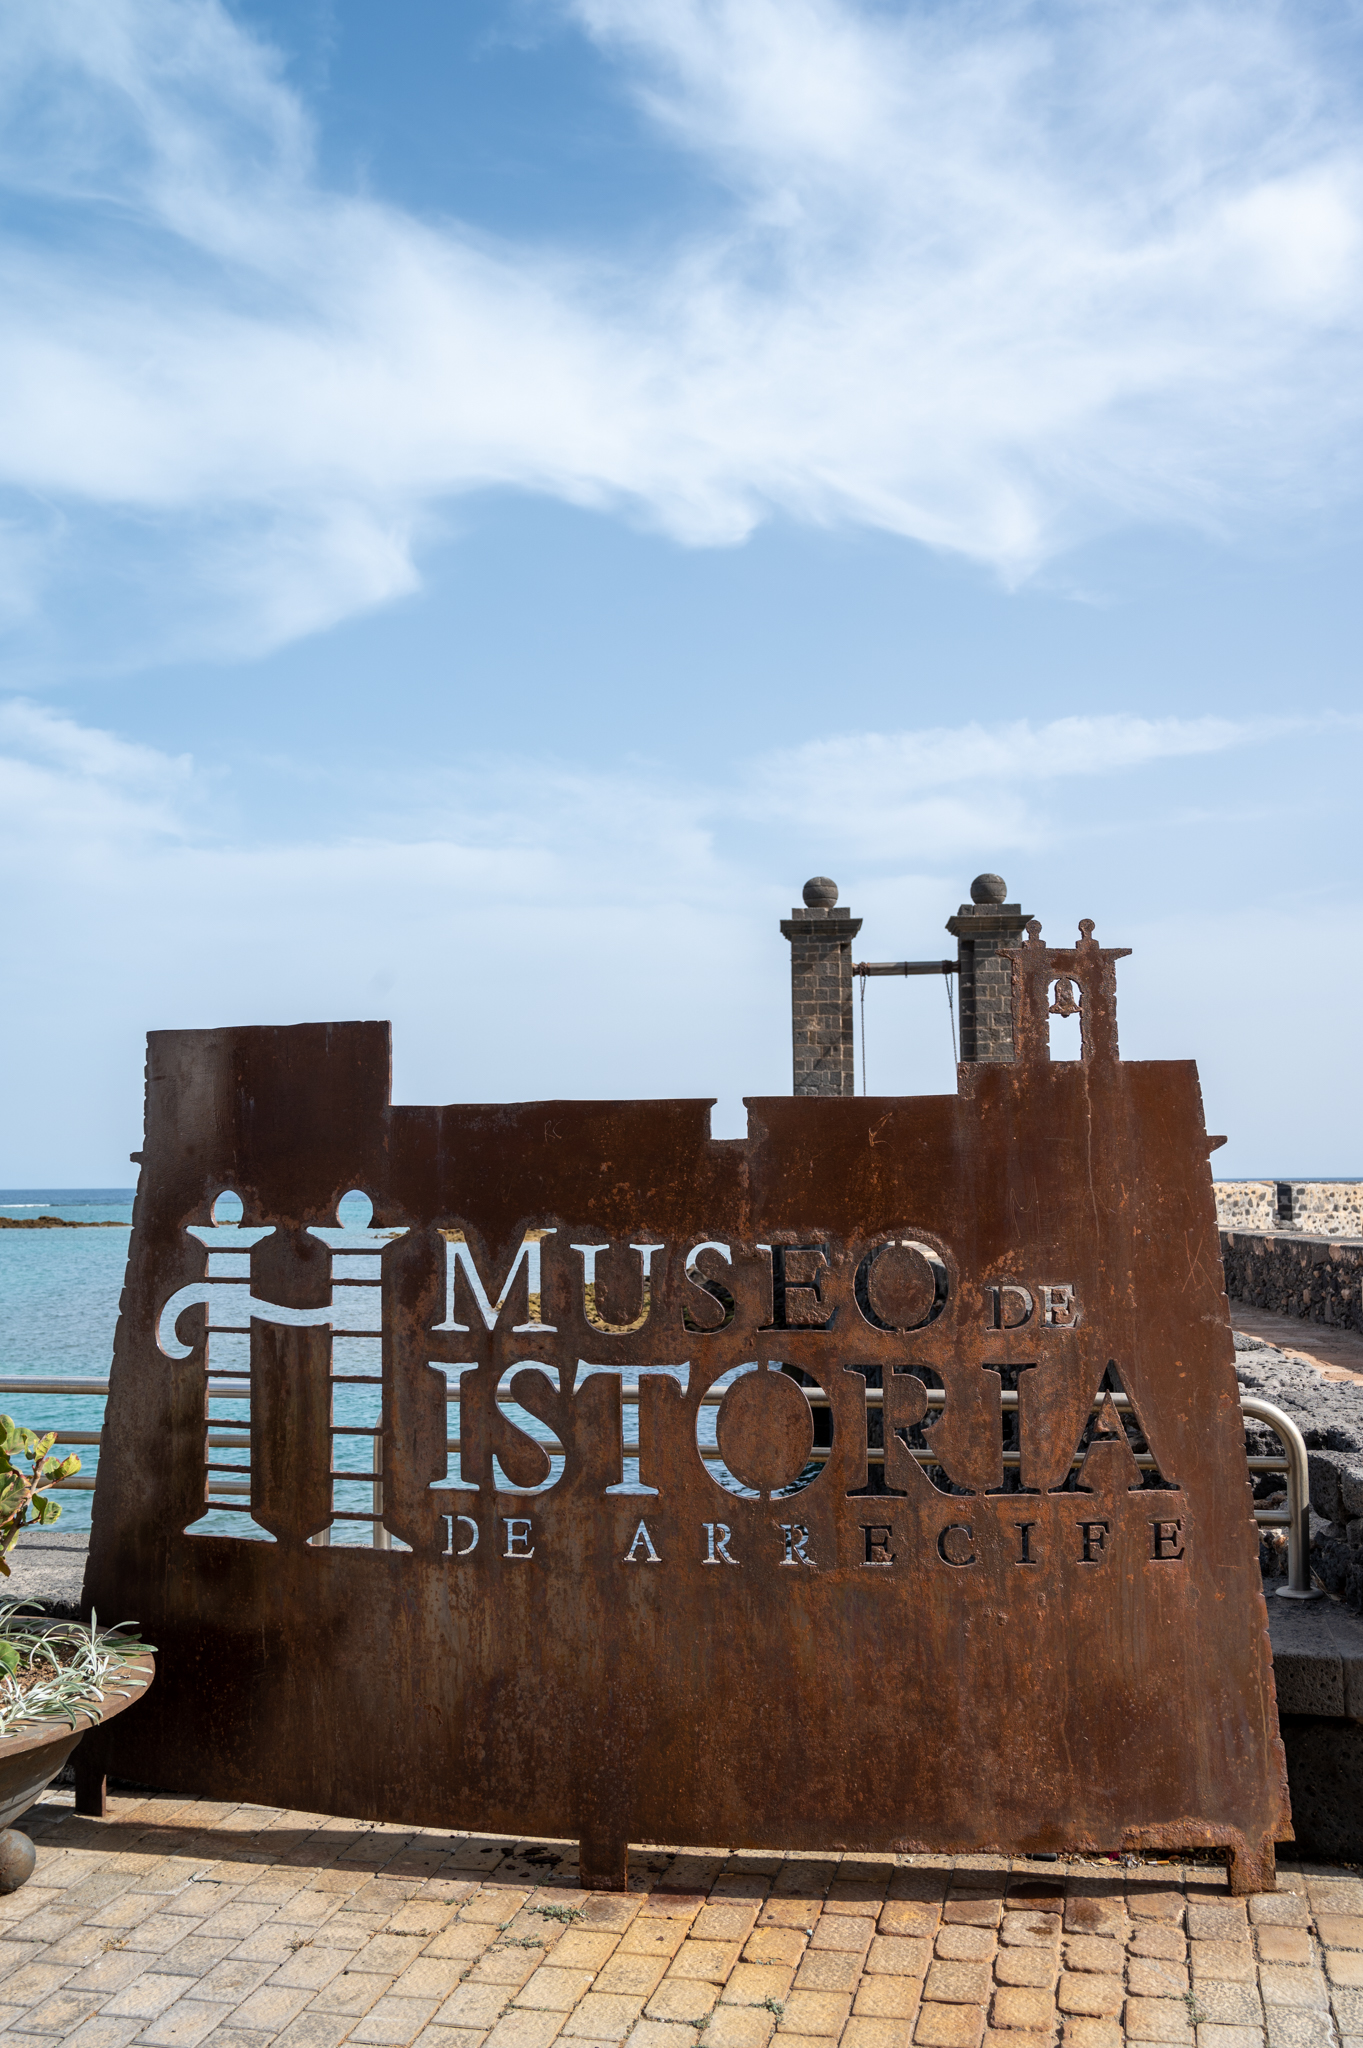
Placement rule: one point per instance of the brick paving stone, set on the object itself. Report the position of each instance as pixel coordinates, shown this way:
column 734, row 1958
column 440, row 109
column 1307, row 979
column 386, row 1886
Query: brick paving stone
column 460, row 1940
column 888, row 1998
column 1156, row 1902
column 1283, row 1985
column 602, row 2017
column 1016, row 2005
column 1029, row 1929
column 1211, row 2034
column 584, row 1949
column 1278, row 1909
column 950, row 2026
column 1231, row 2005
column 732, row 1920
column 1283, row 1944
column 736, row 2026
column 876, row 2033
column 803, row 1913
column 1090, row 2033
column 1159, row 2019
column 958, row 1983
column 709, row 1960
column 1150, row 1978
column 1096, row 1913
column 650, row 1937
column 775, row 1945
column 553, row 1990
column 147, row 1996
column 1027, row 1966
column 1099, row 1952
column 661, row 2034
column 61, row 2013
column 354, row 1991
column 1231, row 1962
column 1340, row 1930
column 898, row 1955
column 1089, row 1995
column 628, row 1976
column 828, row 1970
column 100, row 2032
column 313, row 2029
column 681, row 1998
column 1158, row 1939
column 523, row 2029
column 1221, row 1920
column 182, row 2025
column 391, row 2022
column 510, row 1967
column 973, row 1910
column 816, row 2013
column 958, row 1943
column 910, row 1916
column 310, row 1968
column 472, row 2005
column 1344, row 1966
column 1289, row 2028
column 847, row 1932
column 1348, row 2009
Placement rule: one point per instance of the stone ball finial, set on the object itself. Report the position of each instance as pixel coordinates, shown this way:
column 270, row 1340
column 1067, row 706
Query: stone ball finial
column 988, row 889
column 820, row 893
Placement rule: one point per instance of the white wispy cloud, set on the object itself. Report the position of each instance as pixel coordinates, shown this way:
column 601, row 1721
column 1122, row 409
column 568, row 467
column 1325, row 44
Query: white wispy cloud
column 533, row 932
column 989, row 278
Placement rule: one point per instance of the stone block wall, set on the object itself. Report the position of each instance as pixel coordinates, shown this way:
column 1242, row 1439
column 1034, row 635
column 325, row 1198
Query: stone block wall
column 1315, row 1278
column 1320, row 1208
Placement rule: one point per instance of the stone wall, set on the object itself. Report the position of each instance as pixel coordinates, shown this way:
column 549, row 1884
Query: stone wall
column 1320, row 1208
column 1315, row 1278
column 1247, row 1204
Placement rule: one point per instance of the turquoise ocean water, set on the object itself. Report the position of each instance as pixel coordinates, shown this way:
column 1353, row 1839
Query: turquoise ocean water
column 59, row 1292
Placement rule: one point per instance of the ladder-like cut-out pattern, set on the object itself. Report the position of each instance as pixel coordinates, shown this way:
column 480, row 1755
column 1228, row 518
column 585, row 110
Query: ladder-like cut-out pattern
column 353, row 1318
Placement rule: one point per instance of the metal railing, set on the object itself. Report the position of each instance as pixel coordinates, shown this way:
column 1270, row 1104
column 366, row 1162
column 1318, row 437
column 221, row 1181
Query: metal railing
column 1295, row 1517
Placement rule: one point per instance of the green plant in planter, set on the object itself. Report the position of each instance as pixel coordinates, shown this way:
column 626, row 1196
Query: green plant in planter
column 22, row 1493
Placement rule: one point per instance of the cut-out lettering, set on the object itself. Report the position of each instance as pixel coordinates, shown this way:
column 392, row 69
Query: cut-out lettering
column 635, row 1453
column 1166, row 1541
column 1013, row 1479
column 878, row 1537
column 797, row 1543
column 1094, row 1535
column 901, row 1285
column 641, row 1536
column 590, row 1253
column 705, row 1284
column 1059, row 1310
column 718, row 1536
column 1011, row 1306
column 951, row 1540
column 530, row 1452
column 797, row 1277
column 469, row 1523
column 459, row 1256
column 1024, row 1555
column 454, row 1480
column 518, row 1531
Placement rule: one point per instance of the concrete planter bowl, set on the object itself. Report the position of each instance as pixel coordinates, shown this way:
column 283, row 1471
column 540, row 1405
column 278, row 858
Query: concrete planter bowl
column 33, row 1756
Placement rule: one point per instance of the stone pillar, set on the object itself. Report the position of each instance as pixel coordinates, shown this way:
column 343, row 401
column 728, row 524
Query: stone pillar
column 981, row 928
column 821, row 938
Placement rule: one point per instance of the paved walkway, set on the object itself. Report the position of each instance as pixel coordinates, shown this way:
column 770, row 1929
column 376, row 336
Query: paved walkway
column 1336, row 1354
column 176, row 1924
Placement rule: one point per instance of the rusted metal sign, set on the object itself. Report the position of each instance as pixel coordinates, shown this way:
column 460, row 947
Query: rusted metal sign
column 877, row 1480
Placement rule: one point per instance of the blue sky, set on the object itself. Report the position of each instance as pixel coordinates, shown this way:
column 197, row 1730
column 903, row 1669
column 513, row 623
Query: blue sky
column 493, row 496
